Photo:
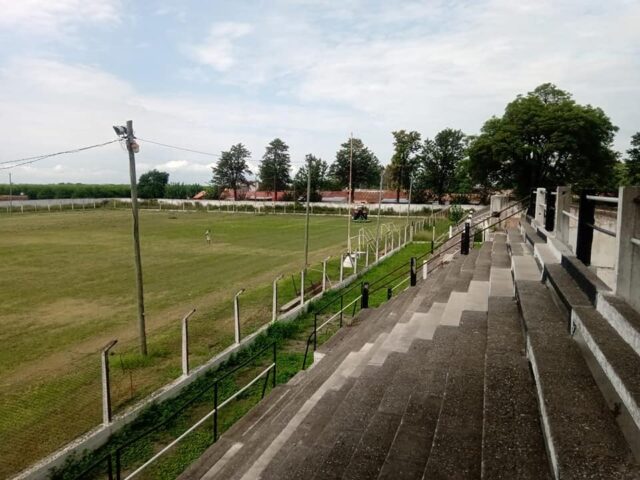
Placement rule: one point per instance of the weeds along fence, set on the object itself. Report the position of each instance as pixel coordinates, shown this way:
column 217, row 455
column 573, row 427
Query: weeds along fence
column 65, row 406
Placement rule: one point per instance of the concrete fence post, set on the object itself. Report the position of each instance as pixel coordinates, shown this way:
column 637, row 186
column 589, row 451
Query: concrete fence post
column 185, row 342
column 628, row 243
column 236, row 315
column 302, row 287
column 106, row 388
column 274, row 309
column 563, row 203
column 341, row 267
column 324, row 274
column 541, row 194
column 424, row 269
column 354, row 263
column 450, row 231
column 386, row 239
column 366, row 257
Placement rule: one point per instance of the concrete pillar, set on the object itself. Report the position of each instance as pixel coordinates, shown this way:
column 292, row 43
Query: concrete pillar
column 236, row 315
column 354, row 263
column 425, row 266
column 563, row 202
column 324, row 274
column 541, row 194
column 341, row 267
column 628, row 243
column 302, row 287
column 274, row 308
column 106, row 388
column 386, row 238
column 185, row 342
column 366, row 257
column 450, row 231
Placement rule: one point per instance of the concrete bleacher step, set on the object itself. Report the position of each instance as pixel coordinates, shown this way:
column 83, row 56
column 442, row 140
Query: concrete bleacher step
column 584, row 277
column 530, row 234
column 457, row 443
column 582, row 437
column 512, row 444
column 622, row 317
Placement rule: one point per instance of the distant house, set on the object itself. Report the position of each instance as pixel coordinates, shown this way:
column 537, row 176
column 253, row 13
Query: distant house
column 363, row 196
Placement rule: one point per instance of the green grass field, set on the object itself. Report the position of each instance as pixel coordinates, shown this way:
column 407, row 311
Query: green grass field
column 68, row 288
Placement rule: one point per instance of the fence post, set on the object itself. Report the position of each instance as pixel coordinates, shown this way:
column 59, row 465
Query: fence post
column 413, row 274
column 354, row 263
column 341, row 267
column 302, row 287
column 392, row 241
column 389, row 293
column 450, row 231
column 386, row 238
column 562, row 222
column 315, row 332
column 364, row 302
column 324, row 274
column 274, row 309
column 215, row 412
column 236, row 315
column 586, row 215
column 275, row 365
column 106, row 388
column 185, row 342
column 466, row 237
column 550, row 212
column 424, row 269
column 628, row 264
column 366, row 257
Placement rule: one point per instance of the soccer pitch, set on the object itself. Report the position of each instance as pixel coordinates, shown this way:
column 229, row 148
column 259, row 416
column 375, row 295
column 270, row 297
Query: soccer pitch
column 68, row 288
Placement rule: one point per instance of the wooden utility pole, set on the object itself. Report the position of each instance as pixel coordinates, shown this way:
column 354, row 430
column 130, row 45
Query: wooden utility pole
column 136, row 237
column 306, row 227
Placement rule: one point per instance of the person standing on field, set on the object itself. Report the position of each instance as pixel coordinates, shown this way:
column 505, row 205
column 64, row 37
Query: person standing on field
column 207, row 236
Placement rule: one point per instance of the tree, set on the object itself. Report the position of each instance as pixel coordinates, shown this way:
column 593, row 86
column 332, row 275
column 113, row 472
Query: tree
column 152, row 184
column 318, row 169
column 545, row 139
column 404, row 159
column 365, row 171
column 231, row 169
column 274, row 168
column 440, row 158
column 632, row 162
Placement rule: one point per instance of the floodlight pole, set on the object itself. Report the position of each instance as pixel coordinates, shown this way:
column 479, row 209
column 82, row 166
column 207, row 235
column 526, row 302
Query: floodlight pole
column 350, row 193
column 136, row 238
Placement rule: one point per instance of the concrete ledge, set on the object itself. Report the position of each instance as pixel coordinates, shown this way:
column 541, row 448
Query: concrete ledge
column 622, row 317
column 587, row 280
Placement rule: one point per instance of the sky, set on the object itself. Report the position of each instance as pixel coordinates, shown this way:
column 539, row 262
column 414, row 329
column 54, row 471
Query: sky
column 208, row 74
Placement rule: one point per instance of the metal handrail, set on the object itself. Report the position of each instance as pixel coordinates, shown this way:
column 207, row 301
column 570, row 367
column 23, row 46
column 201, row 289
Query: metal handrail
column 600, row 198
column 117, row 452
column 570, row 215
column 600, row 229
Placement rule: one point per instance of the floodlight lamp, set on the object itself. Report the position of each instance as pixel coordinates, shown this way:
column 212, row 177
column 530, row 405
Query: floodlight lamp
column 120, row 130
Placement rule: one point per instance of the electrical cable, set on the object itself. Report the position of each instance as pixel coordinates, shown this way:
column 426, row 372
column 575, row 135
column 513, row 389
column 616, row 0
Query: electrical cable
column 179, row 148
column 28, row 160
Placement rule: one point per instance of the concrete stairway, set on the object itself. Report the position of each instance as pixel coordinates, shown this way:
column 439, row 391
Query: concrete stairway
column 586, row 368
column 433, row 384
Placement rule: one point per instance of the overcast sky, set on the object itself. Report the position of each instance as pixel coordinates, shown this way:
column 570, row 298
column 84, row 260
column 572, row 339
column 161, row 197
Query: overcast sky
column 206, row 75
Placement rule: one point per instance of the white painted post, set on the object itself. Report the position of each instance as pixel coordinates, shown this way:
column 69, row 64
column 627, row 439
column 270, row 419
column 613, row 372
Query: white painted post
column 106, row 390
column 302, row 287
column 627, row 236
column 49, row 206
column 540, row 210
column 366, row 257
column 236, row 315
column 185, row 342
column 22, row 208
column 341, row 267
column 354, row 262
column 274, row 309
column 433, row 234
column 324, row 274
column 562, row 222
column 386, row 239
column 450, row 231
column 424, row 269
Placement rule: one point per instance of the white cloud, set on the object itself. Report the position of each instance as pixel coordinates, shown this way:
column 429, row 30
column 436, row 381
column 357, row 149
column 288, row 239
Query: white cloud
column 218, row 49
column 46, row 17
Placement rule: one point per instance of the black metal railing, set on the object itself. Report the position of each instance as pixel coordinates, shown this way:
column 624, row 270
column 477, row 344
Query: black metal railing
column 402, row 271
column 110, row 464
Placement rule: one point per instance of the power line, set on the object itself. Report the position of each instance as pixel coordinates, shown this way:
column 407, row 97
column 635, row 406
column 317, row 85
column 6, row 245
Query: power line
column 180, row 148
column 28, row 160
